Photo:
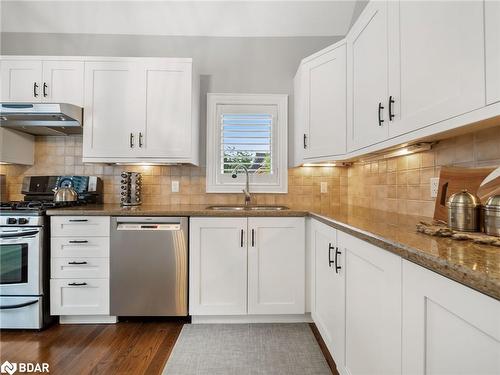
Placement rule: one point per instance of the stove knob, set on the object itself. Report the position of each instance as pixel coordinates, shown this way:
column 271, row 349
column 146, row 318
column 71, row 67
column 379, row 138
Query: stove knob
column 23, row 220
column 11, row 220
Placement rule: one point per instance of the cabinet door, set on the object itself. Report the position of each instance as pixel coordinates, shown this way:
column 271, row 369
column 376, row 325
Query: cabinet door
column 299, row 113
column 62, row 82
column 114, row 109
column 492, row 30
column 326, row 105
column 440, row 53
column 373, row 308
column 21, row 80
column 218, row 266
column 79, row 296
column 367, row 64
column 168, row 110
column 276, row 265
column 447, row 328
column 328, row 302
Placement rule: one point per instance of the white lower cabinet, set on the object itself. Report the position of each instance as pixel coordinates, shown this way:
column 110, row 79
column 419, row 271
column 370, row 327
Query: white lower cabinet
column 241, row 266
column 79, row 269
column 276, row 265
column 372, row 308
column 79, row 296
column 448, row 328
column 384, row 315
column 328, row 296
column 217, row 266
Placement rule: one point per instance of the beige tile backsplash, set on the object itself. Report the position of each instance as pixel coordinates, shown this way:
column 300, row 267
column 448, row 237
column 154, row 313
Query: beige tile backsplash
column 62, row 155
column 399, row 184
column 402, row 184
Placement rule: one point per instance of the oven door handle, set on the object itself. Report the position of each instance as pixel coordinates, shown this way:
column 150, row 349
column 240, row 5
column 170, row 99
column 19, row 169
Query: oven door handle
column 24, row 304
column 19, row 234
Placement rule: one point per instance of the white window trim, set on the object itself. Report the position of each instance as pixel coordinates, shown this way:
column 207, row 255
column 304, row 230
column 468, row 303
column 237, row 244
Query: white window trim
column 213, row 132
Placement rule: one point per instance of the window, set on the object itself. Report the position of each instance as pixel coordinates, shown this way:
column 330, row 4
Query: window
column 250, row 131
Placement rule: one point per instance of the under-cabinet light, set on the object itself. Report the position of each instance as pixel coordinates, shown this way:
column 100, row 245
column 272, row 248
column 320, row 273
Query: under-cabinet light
column 327, row 164
column 401, row 151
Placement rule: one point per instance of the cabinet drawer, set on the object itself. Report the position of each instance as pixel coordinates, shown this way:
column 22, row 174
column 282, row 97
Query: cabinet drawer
column 92, row 268
column 80, row 226
column 79, row 296
column 87, row 247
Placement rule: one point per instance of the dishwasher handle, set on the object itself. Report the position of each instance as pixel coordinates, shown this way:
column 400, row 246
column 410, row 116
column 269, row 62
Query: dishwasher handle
column 148, row 227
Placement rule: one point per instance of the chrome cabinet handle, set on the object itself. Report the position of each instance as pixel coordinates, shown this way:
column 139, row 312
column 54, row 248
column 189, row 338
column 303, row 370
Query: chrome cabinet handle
column 45, row 90
column 131, row 140
column 35, row 91
column 140, row 139
column 380, row 108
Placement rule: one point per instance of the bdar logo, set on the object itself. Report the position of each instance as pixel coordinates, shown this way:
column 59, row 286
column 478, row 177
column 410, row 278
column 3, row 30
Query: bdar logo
column 8, row 367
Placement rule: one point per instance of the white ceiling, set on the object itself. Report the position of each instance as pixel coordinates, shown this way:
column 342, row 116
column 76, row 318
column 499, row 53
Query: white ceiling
column 192, row 18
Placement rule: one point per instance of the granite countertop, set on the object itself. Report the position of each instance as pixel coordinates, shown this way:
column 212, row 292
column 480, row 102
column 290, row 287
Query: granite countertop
column 474, row 265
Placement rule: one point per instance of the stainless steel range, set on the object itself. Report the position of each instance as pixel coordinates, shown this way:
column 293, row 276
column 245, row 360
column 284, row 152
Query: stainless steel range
column 24, row 248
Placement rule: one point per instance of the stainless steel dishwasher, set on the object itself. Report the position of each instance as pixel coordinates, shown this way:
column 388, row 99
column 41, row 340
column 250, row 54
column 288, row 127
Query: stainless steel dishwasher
column 148, row 266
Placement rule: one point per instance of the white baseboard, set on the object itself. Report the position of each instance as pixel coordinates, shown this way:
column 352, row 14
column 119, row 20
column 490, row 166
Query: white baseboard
column 87, row 319
column 234, row 319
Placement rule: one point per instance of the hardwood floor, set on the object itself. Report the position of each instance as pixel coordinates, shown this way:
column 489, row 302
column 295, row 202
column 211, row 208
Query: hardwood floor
column 125, row 348
column 130, row 347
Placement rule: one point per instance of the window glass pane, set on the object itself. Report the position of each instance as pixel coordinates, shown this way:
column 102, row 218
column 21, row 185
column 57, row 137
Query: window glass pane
column 247, row 139
column 13, row 263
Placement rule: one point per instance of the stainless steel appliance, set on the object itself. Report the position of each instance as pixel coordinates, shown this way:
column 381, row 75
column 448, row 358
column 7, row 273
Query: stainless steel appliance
column 42, row 118
column 464, row 212
column 491, row 212
column 24, row 300
column 24, row 248
column 148, row 266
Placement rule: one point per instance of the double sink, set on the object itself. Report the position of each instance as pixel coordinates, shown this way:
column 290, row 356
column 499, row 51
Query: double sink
column 247, row 208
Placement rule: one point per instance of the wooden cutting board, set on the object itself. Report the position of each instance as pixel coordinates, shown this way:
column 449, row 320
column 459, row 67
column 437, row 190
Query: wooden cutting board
column 490, row 186
column 455, row 179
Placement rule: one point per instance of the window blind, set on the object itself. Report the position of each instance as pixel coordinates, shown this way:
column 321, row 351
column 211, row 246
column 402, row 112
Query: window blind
column 247, row 139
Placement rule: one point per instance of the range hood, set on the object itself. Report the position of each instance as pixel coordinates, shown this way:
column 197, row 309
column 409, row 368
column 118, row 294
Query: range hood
column 42, row 118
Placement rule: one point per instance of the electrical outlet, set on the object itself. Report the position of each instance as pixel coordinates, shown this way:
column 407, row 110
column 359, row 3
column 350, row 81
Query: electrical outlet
column 175, row 186
column 434, row 186
column 324, row 187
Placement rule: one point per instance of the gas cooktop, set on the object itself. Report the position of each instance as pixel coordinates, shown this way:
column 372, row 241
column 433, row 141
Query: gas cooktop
column 32, row 207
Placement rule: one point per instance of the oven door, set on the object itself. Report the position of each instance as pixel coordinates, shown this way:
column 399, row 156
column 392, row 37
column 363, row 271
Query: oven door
column 20, row 263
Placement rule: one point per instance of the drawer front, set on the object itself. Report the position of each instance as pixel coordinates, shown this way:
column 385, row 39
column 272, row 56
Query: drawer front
column 79, row 296
column 80, row 226
column 86, row 247
column 79, row 268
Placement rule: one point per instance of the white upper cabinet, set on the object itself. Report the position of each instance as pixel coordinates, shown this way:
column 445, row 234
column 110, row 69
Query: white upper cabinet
column 448, row 328
column 492, row 30
column 141, row 110
column 367, row 71
column 62, row 82
column 21, row 80
column 114, row 109
column 276, row 271
column 168, row 131
column 325, row 104
column 49, row 81
column 439, row 51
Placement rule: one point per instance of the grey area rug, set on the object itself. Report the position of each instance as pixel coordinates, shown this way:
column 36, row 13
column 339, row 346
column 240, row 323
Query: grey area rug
column 234, row 349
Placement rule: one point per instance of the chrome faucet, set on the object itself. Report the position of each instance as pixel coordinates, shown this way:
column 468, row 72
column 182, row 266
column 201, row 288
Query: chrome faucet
column 246, row 191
